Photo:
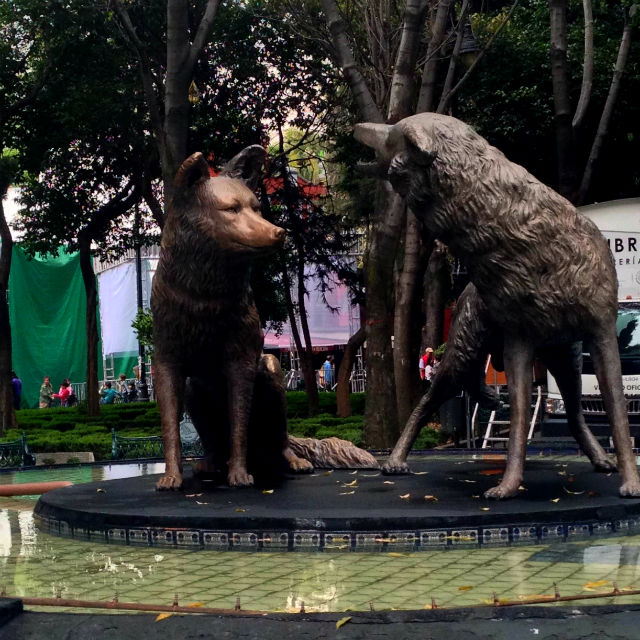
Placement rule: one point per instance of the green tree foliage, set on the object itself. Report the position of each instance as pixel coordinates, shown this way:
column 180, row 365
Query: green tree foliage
column 510, row 99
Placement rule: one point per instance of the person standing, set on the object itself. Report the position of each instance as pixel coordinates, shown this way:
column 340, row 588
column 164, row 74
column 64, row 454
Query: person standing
column 425, row 360
column 46, row 393
column 327, row 367
column 108, row 394
column 16, row 385
column 122, row 387
column 63, row 393
column 132, row 393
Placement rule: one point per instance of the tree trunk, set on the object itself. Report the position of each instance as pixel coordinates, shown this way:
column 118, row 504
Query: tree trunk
column 176, row 107
column 310, row 383
column 361, row 94
column 402, row 85
column 7, row 413
column 607, row 112
column 343, row 392
column 587, row 67
column 170, row 126
column 453, row 62
column 89, row 277
column 406, row 325
column 437, row 288
column 381, row 415
column 562, row 105
column 308, row 372
column 430, row 70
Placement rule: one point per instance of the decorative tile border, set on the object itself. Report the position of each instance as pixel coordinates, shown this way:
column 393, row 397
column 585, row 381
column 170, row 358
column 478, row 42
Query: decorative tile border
column 338, row 541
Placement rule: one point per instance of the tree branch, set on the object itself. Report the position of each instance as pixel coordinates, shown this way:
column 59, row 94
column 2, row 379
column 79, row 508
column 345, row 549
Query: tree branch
column 587, row 70
column 403, row 70
column 607, row 111
column 202, row 32
column 146, row 74
column 484, row 49
column 453, row 63
column 366, row 104
column 425, row 98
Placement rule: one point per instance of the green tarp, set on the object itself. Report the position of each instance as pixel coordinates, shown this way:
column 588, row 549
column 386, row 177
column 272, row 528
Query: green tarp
column 47, row 309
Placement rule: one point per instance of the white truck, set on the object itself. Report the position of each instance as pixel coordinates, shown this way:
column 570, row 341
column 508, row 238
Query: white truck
column 619, row 222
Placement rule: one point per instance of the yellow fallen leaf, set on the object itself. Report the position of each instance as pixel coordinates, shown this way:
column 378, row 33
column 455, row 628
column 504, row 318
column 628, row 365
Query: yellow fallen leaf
column 562, row 473
column 353, row 473
column 346, row 493
column 420, row 473
column 521, row 488
column 351, row 484
column 573, row 493
column 239, row 510
column 195, row 604
column 475, row 497
column 395, row 554
column 267, row 491
column 163, row 616
column 592, row 586
column 554, row 500
column 328, row 473
column 342, row 622
column 388, row 482
column 406, row 496
column 466, row 587
column 499, row 601
column 535, row 597
column 431, row 498
column 101, row 491
column 484, row 508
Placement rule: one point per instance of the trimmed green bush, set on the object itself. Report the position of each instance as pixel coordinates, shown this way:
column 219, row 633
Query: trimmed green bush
column 71, row 429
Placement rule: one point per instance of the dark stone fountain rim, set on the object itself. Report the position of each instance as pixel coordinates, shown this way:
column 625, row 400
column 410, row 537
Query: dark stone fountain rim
column 325, row 511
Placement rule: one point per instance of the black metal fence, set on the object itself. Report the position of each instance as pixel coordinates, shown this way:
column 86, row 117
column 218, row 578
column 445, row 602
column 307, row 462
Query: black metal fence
column 16, row 453
column 149, row 447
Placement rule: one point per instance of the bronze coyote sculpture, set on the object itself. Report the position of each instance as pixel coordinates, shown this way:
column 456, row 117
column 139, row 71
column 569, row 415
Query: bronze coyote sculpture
column 207, row 334
column 542, row 280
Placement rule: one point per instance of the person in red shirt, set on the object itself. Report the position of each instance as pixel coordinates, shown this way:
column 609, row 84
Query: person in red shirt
column 63, row 393
column 425, row 361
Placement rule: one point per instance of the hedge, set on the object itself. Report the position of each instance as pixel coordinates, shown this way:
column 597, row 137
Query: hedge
column 71, row 429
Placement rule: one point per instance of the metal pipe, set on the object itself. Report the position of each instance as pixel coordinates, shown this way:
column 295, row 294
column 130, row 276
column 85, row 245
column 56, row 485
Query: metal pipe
column 134, row 606
column 31, row 488
column 137, row 606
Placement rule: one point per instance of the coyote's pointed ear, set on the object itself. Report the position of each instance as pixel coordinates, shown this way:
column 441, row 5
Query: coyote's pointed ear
column 375, row 136
column 419, row 156
column 194, row 168
column 246, row 166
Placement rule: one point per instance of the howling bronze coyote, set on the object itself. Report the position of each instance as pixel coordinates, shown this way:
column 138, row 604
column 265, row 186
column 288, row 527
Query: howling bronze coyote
column 542, row 277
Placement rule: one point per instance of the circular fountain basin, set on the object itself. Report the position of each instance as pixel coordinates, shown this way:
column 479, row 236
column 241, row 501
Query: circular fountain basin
column 439, row 505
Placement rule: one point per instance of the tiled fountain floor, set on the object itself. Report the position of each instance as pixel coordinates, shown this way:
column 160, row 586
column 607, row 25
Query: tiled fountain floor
column 35, row 564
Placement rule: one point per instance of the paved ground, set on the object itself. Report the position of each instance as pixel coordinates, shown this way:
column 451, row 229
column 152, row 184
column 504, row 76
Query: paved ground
column 568, row 623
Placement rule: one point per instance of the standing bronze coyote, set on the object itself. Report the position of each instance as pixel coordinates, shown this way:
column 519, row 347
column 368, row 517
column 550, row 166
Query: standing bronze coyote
column 542, row 278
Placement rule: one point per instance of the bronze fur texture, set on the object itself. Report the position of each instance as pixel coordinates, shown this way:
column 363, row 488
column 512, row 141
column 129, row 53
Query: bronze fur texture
column 542, row 282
